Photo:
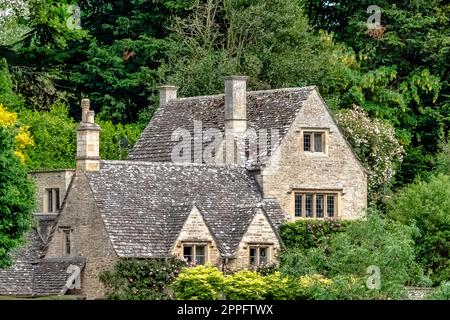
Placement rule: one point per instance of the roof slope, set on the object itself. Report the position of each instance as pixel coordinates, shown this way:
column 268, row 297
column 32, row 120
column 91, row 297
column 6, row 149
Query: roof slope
column 30, row 275
column 272, row 109
column 145, row 204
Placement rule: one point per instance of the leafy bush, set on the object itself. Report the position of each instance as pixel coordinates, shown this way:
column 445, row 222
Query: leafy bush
column 307, row 234
column 375, row 143
column 426, row 205
column 147, row 279
column 376, row 241
column 442, row 292
column 199, row 283
column 245, row 285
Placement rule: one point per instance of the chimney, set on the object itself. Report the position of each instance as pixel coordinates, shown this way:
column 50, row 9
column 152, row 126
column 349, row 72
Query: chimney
column 235, row 114
column 167, row 93
column 88, row 140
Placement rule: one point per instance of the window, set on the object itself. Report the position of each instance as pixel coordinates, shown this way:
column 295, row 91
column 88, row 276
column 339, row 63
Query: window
column 258, row 255
column 315, row 205
column 66, row 241
column 53, row 200
column 195, row 253
column 314, row 141
column 298, row 205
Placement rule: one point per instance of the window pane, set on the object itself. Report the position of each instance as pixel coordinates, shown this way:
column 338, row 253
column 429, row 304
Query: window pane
column 187, row 253
column 307, row 141
column 252, row 256
column 66, row 241
column 298, row 205
column 57, row 199
column 200, row 254
column 319, row 205
column 309, row 205
column 330, row 205
column 262, row 256
column 50, row 200
column 318, row 147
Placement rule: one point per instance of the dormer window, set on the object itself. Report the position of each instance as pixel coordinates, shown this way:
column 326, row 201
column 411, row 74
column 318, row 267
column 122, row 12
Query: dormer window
column 314, row 141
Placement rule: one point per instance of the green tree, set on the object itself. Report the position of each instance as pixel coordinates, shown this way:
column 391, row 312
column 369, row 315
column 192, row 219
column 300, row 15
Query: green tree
column 17, row 200
column 426, row 205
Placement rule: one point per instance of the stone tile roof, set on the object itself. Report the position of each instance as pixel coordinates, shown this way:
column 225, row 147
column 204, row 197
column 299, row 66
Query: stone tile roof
column 30, row 274
column 272, row 109
column 51, row 275
column 144, row 204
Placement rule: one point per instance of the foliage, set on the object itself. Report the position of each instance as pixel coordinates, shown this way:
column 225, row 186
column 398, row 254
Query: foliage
column 413, row 40
column 442, row 292
column 54, row 133
column 307, row 234
column 148, row 279
column 426, row 205
column 375, row 144
column 23, row 140
column 372, row 242
column 443, row 158
column 17, row 200
column 117, row 140
column 199, row 283
column 245, row 285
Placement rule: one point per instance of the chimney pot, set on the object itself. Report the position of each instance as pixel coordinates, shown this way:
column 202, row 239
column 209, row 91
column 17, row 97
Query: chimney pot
column 85, row 105
column 90, row 117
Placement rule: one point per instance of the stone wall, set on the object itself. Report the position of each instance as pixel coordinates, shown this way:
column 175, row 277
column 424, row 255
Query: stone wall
column 290, row 168
column 258, row 232
column 52, row 179
column 195, row 230
column 88, row 236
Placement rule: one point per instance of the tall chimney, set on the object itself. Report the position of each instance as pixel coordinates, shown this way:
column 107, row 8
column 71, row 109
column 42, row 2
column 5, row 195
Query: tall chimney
column 235, row 116
column 88, row 140
column 167, row 93
column 236, row 103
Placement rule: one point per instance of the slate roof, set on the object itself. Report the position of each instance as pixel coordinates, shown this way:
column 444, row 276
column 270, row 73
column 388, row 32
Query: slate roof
column 145, row 204
column 30, row 275
column 271, row 109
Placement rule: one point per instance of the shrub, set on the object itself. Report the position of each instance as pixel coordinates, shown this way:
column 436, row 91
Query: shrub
column 426, row 205
column 375, row 143
column 199, row 283
column 442, row 292
column 375, row 241
column 307, row 234
column 245, row 285
column 147, row 279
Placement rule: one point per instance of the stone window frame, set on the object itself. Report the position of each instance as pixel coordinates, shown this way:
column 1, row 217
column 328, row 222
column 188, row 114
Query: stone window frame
column 314, row 192
column 55, row 195
column 325, row 140
column 64, row 231
column 194, row 244
column 258, row 245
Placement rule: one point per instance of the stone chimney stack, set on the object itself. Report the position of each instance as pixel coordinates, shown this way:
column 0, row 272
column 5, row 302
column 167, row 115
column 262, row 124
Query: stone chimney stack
column 235, row 116
column 167, row 93
column 88, row 140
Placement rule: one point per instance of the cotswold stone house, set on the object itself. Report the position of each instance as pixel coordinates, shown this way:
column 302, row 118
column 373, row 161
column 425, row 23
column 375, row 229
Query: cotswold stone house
column 210, row 180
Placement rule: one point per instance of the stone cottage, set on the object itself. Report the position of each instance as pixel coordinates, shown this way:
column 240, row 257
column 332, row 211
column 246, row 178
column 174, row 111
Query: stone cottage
column 210, row 180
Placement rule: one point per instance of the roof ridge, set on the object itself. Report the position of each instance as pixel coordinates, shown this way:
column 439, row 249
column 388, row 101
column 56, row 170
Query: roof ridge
column 170, row 163
column 253, row 92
